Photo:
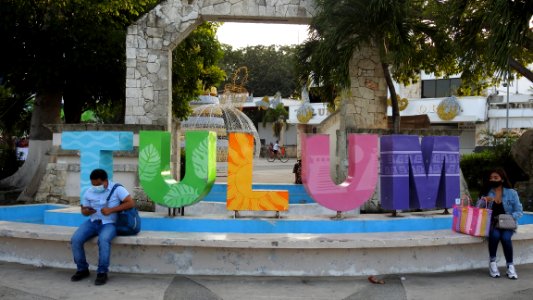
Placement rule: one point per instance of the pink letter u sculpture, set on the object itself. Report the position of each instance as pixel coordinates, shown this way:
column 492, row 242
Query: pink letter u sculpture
column 362, row 171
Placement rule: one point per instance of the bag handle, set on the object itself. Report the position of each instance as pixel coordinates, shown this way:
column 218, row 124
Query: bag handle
column 465, row 197
column 112, row 191
column 486, row 202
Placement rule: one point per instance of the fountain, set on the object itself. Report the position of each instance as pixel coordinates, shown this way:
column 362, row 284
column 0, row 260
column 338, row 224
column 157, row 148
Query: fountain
column 293, row 245
column 223, row 115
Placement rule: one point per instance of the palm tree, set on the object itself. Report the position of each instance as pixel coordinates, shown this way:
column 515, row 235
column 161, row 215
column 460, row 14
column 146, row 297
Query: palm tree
column 402, row 30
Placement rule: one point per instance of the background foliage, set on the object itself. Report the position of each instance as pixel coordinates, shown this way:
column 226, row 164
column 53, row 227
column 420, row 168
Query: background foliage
column 270, row 68
column 194, row 67
column 476, row 166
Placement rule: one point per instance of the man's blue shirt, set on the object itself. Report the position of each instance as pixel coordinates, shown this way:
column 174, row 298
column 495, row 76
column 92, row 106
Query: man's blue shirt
column 98, row 201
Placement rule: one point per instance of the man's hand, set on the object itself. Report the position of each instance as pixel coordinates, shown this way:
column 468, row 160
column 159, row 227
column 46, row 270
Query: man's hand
column 489, row 199
column 106, row 211
column 87, row 211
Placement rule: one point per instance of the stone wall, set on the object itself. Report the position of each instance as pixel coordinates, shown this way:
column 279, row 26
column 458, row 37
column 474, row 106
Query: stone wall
column 150, row 41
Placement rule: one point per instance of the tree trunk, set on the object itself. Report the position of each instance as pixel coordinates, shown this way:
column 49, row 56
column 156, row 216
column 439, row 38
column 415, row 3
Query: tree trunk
column 46, row 110
column 394, row 99
column 521, row 69
column 73, row 108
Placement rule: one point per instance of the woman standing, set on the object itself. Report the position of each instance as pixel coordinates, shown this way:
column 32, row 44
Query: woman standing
column 503, row 200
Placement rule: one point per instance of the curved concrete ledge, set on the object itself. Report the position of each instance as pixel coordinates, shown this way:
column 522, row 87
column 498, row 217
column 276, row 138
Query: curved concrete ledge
column 263, row 254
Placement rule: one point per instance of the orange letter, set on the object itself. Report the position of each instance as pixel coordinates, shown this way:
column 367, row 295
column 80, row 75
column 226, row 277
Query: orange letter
column 240, row 194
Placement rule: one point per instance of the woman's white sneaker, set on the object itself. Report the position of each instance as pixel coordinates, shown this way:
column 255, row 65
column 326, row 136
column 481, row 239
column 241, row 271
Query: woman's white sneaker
column 493, row 270
column 511, row 272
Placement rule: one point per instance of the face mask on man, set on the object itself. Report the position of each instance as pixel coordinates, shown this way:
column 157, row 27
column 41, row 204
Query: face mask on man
column 99, row 188
column 495, row 184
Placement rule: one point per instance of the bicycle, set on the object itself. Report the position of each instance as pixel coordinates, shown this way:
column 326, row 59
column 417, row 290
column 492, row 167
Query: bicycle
column 281, row 155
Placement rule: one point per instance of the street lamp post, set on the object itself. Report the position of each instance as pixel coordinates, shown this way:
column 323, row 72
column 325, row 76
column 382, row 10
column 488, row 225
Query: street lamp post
column 507, row 106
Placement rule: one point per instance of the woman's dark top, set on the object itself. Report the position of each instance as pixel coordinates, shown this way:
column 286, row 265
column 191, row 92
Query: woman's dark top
column 497, row 209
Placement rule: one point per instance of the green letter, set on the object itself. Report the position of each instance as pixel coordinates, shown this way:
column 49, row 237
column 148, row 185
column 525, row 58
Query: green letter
column 154, row 167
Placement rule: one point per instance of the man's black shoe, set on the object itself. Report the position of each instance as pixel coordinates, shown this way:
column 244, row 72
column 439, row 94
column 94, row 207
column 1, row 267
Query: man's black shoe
column 80, row 275
column 101, row 279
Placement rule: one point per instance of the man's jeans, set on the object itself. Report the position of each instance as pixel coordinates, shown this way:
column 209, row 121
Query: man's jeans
column 495, row 236
column 87, row 230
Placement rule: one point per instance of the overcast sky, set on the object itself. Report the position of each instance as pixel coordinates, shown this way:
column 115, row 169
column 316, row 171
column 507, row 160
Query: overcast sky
column 240, row 35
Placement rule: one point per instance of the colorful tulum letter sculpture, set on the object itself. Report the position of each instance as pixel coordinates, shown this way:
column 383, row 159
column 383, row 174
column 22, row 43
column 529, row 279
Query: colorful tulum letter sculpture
column 362, row 171
column 413, row 175
column 419, row 176
column 154, row 167
column 96, row 151
column 240, row 194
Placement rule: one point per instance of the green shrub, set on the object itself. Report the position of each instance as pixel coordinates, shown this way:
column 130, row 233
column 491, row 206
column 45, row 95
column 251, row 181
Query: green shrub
column 476, row 166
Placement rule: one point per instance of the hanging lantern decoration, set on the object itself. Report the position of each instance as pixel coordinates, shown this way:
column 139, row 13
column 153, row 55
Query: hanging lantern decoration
column 263, row 103
column 332, row 107
column 402, row 102
column 277, row 100
column 448, row 108
column 305, row 112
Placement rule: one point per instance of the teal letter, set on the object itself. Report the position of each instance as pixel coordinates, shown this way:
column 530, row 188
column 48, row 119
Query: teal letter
column 96, row 151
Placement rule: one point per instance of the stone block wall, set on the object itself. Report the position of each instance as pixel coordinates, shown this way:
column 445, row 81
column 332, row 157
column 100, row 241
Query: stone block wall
column 52, row 188
column 61, row 181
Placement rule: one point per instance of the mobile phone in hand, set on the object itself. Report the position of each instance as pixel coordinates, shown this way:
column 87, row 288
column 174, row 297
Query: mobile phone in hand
column 92, row 210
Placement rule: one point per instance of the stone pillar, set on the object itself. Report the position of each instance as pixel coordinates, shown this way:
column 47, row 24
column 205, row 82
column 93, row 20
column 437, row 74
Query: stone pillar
column 365, row 106
column 148, row 81
column 300, row 130
column 282, row 133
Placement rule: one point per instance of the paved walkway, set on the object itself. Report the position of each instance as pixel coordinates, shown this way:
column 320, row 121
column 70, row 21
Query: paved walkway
column 21, row 282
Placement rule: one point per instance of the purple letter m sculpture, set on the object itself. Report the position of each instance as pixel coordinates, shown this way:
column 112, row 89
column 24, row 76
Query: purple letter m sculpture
column 419, row 176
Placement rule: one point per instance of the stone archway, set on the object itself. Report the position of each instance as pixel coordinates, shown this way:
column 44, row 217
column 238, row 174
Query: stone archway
column 152, row 38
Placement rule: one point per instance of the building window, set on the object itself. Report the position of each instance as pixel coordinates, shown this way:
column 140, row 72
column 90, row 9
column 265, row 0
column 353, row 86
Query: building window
column 438, row 88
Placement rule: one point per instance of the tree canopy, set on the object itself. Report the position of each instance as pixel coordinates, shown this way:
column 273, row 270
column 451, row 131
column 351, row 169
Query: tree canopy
column 71, row 48
column 473, row 38
column 403, row 31
column 488, row 34
column 194, row 67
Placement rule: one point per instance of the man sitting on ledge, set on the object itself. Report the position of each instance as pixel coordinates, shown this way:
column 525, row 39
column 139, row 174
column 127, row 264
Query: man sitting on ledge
column 101, row 203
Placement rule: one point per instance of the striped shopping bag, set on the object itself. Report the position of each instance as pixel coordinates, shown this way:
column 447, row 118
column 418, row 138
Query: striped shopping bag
column 481, row 218
column 471, row 220
column 462, row 218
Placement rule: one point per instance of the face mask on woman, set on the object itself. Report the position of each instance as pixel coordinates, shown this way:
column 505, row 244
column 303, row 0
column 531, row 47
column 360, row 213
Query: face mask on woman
column 495, row 184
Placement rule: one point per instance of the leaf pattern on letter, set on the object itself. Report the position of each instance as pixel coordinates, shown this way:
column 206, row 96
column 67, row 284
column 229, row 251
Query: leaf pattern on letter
column 180, row 195
column 149, row 163
column 199, row 159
